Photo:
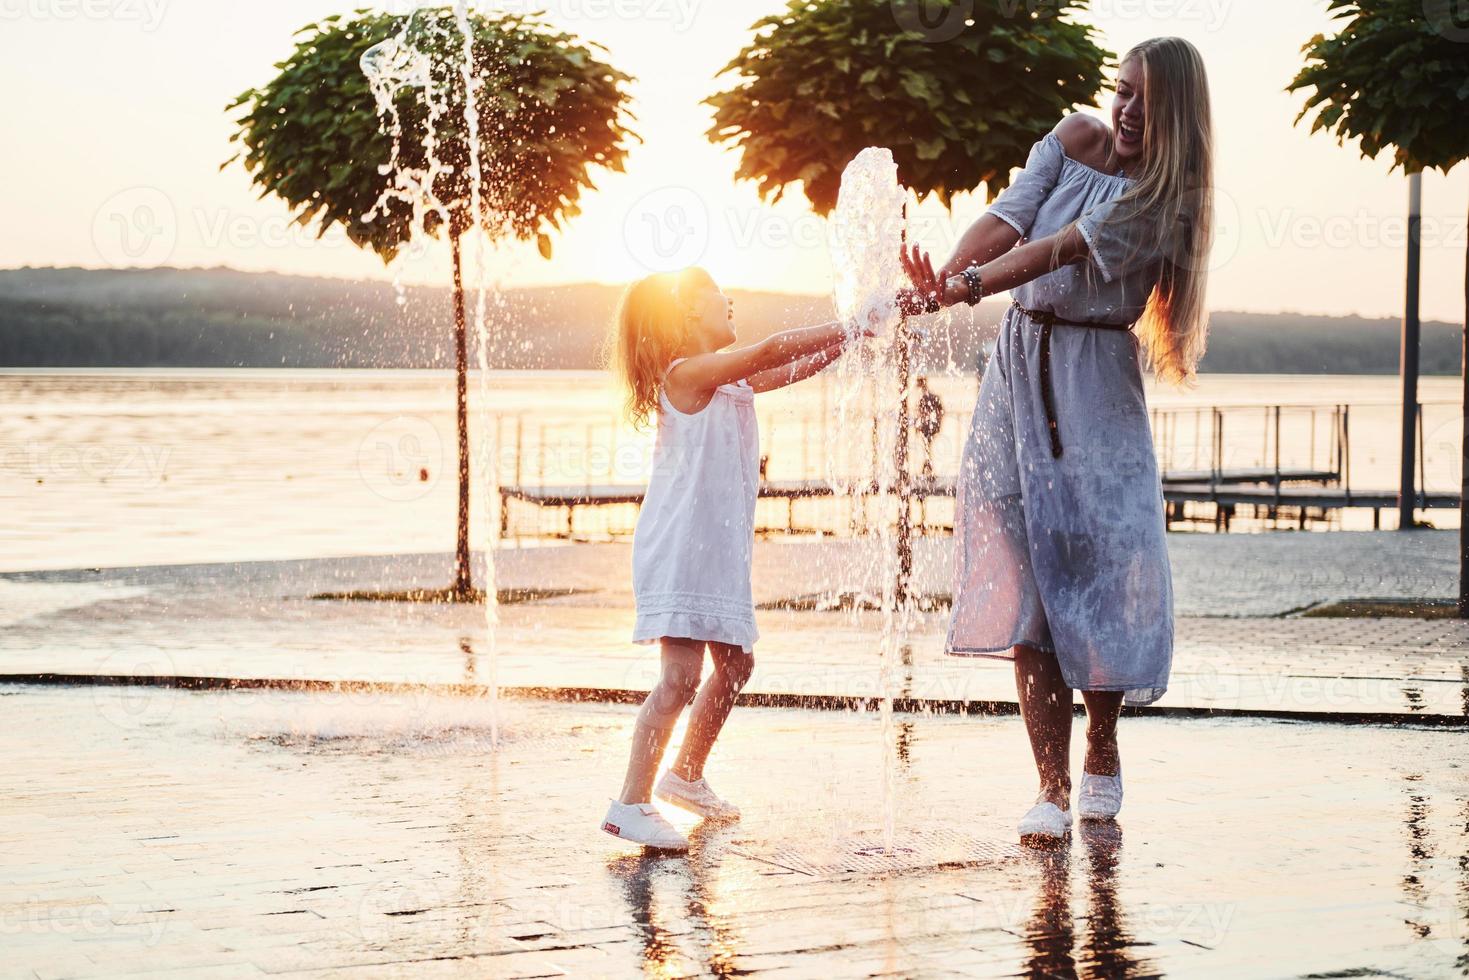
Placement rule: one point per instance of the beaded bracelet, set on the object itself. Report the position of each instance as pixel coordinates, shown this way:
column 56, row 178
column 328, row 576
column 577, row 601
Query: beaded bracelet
column 973, row 283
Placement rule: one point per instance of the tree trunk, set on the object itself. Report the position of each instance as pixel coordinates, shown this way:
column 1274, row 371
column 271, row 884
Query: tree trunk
column 463, row 582
column 1408, row 359
column 1464, row 462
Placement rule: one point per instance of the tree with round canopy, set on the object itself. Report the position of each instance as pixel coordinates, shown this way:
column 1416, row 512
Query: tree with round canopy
column 1396, row 76
column 547, row 108
column 958, row 90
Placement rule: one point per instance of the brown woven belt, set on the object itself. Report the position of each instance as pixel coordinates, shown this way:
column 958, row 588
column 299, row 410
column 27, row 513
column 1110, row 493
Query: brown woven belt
column 1047, row 320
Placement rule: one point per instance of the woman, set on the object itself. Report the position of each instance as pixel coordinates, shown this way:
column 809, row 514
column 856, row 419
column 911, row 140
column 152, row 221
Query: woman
column 1061, row 563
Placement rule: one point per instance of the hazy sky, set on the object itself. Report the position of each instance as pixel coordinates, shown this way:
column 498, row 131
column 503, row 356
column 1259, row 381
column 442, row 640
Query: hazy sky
column 114, row 124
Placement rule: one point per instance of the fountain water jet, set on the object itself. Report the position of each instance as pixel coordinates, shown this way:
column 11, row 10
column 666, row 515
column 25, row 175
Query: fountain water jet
column 867, row 232
column 396, row 65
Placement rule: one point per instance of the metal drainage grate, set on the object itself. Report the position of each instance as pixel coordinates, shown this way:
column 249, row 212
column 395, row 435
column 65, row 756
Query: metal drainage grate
column 867, row 853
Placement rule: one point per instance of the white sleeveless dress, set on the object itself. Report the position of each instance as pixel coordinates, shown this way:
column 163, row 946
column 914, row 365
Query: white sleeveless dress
column 695, row 535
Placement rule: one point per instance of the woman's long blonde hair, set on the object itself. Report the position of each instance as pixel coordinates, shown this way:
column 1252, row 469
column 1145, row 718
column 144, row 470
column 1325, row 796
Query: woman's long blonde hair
column 1176, row 192
column 650, row 328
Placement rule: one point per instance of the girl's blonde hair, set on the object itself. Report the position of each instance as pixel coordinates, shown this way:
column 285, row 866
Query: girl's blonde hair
column 650, row 328
column 1175, row 191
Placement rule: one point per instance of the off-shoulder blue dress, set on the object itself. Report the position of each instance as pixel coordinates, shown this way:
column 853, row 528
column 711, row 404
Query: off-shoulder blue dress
column 1066, row 552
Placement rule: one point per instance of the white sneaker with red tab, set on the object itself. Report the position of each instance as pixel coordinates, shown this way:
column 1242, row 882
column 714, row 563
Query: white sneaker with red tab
column 641, row 823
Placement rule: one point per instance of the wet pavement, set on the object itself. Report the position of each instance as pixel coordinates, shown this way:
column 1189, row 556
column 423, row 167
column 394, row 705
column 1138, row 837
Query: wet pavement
column 364, row 820
column 1229, row 575
column 293, row 833
column 1242, row 645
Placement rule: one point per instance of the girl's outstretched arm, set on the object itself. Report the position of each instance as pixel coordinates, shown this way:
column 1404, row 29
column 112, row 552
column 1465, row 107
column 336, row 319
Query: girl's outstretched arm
column 798, row 370
column 702, row 373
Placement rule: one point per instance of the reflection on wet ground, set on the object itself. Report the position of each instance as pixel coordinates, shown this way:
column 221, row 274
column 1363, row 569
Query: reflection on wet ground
column 293, row 832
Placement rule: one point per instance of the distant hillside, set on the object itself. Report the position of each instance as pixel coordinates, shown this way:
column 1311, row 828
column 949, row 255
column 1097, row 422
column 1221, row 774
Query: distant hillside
column 224, row 318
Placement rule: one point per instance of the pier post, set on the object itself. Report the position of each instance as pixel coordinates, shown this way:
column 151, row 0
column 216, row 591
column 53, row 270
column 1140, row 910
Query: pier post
column 904, row 353
column 463, row 583
column 1464, row 457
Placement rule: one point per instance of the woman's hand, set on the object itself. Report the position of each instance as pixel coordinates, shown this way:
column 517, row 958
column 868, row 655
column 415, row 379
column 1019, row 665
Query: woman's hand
column 927, row 295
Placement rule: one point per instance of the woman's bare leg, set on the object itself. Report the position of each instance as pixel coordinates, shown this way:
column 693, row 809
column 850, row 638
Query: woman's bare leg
column 1103, row 708
column 732, row 668
column 1045, row 705
column 682, row 663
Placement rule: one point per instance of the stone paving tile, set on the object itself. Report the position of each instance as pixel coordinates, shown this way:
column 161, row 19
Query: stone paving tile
column 311, row 834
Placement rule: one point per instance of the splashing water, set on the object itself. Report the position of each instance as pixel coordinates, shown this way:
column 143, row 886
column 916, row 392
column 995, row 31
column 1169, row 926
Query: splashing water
column 867, row 233
column 394, row 66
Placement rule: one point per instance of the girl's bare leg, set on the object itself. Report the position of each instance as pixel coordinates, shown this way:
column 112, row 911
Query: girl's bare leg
column 1103, row 708
column 1045, row 705
column 682, row 662
column 732, row 668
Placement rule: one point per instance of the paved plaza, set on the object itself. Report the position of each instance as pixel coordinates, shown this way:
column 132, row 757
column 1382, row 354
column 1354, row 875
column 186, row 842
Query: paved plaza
column 211, row 772
column 313, row 834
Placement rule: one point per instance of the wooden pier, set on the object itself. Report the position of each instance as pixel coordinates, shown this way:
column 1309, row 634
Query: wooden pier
column 1306, row 485
column 1227, row 493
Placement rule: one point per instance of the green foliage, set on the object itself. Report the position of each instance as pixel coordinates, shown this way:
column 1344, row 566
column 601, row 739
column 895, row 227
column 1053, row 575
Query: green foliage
column 959, row 103
column 1397, row 75
column 547, row 110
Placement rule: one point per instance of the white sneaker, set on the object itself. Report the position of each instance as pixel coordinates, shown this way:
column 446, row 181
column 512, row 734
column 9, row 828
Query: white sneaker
column 641, row 823
column 1045, row 822
column 696, row 796
column 1100, row 797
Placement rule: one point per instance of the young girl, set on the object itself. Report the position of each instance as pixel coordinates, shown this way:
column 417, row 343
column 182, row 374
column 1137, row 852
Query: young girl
column 1060, row 558
column 695, row 533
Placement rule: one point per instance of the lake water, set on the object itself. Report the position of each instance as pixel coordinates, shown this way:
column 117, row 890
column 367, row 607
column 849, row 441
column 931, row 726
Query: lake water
column 118, row 467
